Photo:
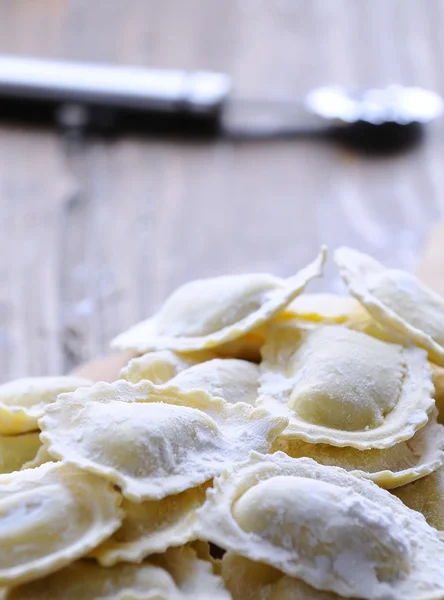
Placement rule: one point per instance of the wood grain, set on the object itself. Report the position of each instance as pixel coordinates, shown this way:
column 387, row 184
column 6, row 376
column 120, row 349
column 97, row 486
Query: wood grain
column 95, row 235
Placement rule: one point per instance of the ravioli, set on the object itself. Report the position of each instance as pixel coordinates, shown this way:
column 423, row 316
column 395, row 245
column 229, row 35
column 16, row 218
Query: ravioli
column 22, row 401
column 16, row 450
column 232, row 379
column 210, row 312
column 249, row 580
column 159, row 367
column 427, row 497
column 152, row 527
column 390, row 468
column 396, row 299
column 342, row 387
column 332, row 530
column 49, row 517
column 153, row 441
column 176, row 575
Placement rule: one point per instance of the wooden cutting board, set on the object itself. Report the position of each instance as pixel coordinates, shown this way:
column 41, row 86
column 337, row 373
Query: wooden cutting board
column 430, row 269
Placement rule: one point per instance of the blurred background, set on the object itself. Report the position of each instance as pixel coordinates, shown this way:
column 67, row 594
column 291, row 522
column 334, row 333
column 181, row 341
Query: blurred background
column 95, row 234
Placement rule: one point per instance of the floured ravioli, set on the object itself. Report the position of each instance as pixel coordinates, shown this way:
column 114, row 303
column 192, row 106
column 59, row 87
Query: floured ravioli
column 232, row 379
column 249, row 580
column 396, row 299
column 210, row 312
column 427, row 497
column 161, row 366
column 152, row 527
column 49, row 517
column 153, row 441
column 402, row 463
column 22, row 401
column 332, row 530
column 176, row 575
column 17, row 450
column 342, row 387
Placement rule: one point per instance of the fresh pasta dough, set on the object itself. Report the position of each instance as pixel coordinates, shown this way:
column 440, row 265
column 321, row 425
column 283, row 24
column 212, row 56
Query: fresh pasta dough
column 41, row 457
column 152, row 527
column 438, row 382
column 427, row 497
column 22, row 401
column 249, row 580
column 334, row 531
column 344, row 388
column 176, row 575
column 392, row 467
column 210, row 312
column 325, row 308
column 153, row 441
column 49, row 517
column 17, row 450
column 397, row 300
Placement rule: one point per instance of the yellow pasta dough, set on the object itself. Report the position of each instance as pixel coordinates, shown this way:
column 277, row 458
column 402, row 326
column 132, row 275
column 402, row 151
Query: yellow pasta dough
column 396, row 299
column 153, row 441
column 49, row 517
column 152, row 527
column 332, row 530
column 176, row 575
column 17, row 450
column 161, row 366
column 325, row 308
column 210, row 312
column 390, row 468
column 22, row 401
column 249, row 580
column 345, row 388
column 427, row 497
column 232, row 379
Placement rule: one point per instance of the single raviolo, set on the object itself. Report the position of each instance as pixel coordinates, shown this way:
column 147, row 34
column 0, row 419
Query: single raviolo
column 427, row 497
column 161, row 366
column 396, row 299
column 22, row 401
column 153, row 441
column 210, row 312
column 249, row 580
column 344, row 388
column 334, row 531
column 49, row 517
column 17, row 450
column 152, row 527
column 403, row 463
column 176, row 575
column 232, row 379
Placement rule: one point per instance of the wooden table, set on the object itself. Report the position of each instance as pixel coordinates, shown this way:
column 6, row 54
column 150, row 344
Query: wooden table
column 93, row 238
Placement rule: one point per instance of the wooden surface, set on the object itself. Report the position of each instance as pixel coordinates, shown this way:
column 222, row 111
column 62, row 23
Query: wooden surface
column 94, row 237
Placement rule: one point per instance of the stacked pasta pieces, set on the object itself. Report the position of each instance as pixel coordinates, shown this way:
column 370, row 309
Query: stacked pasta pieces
column 268, row 422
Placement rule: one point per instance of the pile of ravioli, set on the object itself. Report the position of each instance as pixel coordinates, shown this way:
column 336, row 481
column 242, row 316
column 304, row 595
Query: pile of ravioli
column 263, row 444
